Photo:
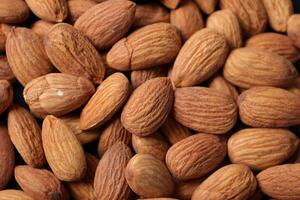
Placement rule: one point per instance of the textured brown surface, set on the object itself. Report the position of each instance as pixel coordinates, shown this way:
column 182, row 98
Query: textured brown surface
column 42, row 27
column 6, row 95
column 77, row 8
column 222, row 85
column 185, row 189
column 5, row 70
column 293, row 27
column 171, row 4
column 138, row 77
column 4, row 30
column 10, row 194
column 13, row 11
column 207, row 6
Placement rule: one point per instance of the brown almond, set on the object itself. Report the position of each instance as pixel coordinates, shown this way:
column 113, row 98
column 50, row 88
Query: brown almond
column 222, row 85
column 147, row 47
column 138, row 77
column 148, row 106
column 63, row 151
column 108, row 99
column 185, row 189
column 10, row 194
column 199, row 58
column 4, row 30
column 6, row 95
column 293, row 27
column 5, row 70
column 25, row 133
column 72, row 53
column 207, row 6
column 171, row 4
column 78, row 7
column 42, row 27
column 13, row 11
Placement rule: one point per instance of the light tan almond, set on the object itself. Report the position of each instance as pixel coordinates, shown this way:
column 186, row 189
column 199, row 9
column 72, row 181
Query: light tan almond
column 138, row 77
column 42, row 27
column 293, row 27
column 6, row 95
column 13, row 11
column 10, row 194
column 185, row 189
column 5, row 70
column 4, row 30
column 171, row 4
column 222, row 85
column 77, row 8
column 207, row 6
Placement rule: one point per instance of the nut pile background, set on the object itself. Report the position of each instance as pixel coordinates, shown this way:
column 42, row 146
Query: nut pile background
column 166, row 99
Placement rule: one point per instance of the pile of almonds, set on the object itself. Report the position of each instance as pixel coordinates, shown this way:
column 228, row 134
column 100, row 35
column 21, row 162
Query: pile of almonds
column 161, row 100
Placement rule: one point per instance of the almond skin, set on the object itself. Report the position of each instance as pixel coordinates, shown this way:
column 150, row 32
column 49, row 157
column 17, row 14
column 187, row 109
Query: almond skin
column 77, row 8
column 5, row 70
column 185, row 189
column 293, row 27
column 108, row 99
column 276, row 43
column 42, row 27
column 230, row 182
column 110, row 182
column 22, row 45
column 295, row 87
column 72, row 53
column 63, row 151
column 207, row 6
column 65, row 92
column 171, row 4
column 149, row 177
column 269, row 107
column 148, row 106
column 222, row 85
column 249, row 67
column 193, row 105
column 4, row 30
column 7, row 157
column 14, row 194
column 50, row 10
column 281, row 182
column 260, row 148
column 6, row 95
column 115, row 15
column 195, row 156
column 138, row 77
column 199, row 58
column 147, row 47
column 25, row 133
column 13, row 11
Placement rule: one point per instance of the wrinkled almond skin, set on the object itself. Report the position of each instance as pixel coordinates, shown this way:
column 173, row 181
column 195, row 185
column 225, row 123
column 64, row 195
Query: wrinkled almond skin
column 63, row 151
column 50, row 10
column 25, row 133
column 171, row 4
column 42, row 27
column 7, row 157
column 269, row 107
column 251, row 14
column 147, row 47
column 187, row 18
column 6, row 95
column 193, row 105
column 4, row 30
column 108, row 99
column 199, row 58
column 149, row 177
column 278, row 12
column 276, row 43
column 138, row 77
column 5, row 70
column 13, row 11
column 107, row 22
column 281, row 182
column 222, row 85
column 57, row 94
column 26, row 55
column 148, row 106
column 185, row 189
column 232, row 182
column 72, row 53
column 77, row 8
column 39, row 183
column 10, row 194
column 260, row 148
column 225, row 22
column 293, row 29
column 110, row 182
column 207, row 6
column 249, row 67
column 195, row 156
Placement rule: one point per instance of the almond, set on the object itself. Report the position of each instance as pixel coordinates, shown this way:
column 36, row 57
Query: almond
column 149, row 46
column 108, row 99
column 25, row 133
column 295, row 87
column 207, row 6
column 269, row 107
column 14, row 194
column 293, row 27
column 57, row 94
column 114, row 15
column 222, row 85
column 4, row 30
column 171, row 4
column 249, row 67
column 110, row 182
column 204, row 110
column 185, row 189
column 6, row 95
column 230, row 182
column 138, row 77
column 5, row 70
column 63, row 151
column 260, row 148
column 13, row 11
column 72, row 53
column 149, row 177
column 78, row 7
column 148, row 106
column 281, row 182
column 42, row 27
column 199, row 58
column 195, row 156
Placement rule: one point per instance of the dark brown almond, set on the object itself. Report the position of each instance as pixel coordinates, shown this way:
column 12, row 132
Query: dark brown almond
column 13, row 11
column 6, row 95
column 5, row 70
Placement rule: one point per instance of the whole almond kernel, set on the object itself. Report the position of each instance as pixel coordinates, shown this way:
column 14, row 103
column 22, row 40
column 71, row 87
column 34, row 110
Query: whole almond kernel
column 249, row 67
column 50, row 10
column 207, row 6
column 13, row 11
column 276, row 43
column 149, row 46
column 39, row 183
column 57, row 94
column 6, row 95
column 260, row 148
column 42, row 27
column 14, row 194
column 72, row 53
column 222, row 85
column 110, row 182
column 108, row 99
column 77, row 8
column 5, row 70
column 63, row 151
column 199, row 58
column 230, row 182
column 171, row 4
column 185, row 189
column 281, row 181
column 148, row 106
column 7, row 157
column 25, row 133
column 138, row 77
column 149, row 177
column 269, row 107
column 204, row 110
column 225, row 22
column 195, row 156
column 26, row 55
column 293, row 27
column 4, row 30
column 107, row 22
